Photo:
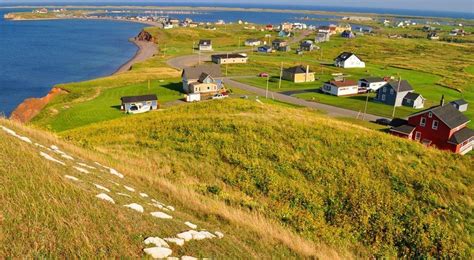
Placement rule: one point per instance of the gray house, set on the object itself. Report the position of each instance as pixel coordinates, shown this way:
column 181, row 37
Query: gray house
column 460, row 104
column 413, row 100
column 138, row 104
column 393, row 92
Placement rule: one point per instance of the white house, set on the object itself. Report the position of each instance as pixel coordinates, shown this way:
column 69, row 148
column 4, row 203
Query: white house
column 341, row 88
column 252, row 42
column 348, row 60
column 205, row 45
column 372, row 83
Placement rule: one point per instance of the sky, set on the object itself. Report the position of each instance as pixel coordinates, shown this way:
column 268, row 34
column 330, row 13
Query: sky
column 466, row 6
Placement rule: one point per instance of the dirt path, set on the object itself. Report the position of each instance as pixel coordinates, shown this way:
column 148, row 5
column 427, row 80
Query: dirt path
column 145, row 51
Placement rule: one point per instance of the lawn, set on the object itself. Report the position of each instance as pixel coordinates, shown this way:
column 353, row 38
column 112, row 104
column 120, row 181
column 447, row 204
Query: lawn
column 106, row 105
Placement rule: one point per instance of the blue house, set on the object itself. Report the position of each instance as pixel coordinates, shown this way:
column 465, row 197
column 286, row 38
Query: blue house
column 393, row 92
column 265, row 49
column 348, row 34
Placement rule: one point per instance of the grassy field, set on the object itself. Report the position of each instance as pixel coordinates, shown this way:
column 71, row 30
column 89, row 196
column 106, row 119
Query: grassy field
column 328, row 181
column 45, row 215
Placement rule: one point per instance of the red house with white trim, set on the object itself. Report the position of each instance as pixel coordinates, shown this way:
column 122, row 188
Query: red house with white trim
column 442, row 126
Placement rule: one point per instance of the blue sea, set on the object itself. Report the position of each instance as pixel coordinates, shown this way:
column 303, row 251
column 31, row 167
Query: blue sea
column 36, row 55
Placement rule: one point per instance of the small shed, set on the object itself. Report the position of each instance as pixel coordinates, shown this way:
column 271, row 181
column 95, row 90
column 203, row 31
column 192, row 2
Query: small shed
column 134, row 104
column 413, row 100
column 461, row 105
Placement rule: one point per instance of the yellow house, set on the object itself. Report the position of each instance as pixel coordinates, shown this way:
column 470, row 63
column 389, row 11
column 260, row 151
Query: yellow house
column 298, row 74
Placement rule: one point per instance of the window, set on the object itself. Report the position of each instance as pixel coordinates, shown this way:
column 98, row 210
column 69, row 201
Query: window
column 391, row 91
column 383, row 97
column 384, row 89
column 435, row 125
column 423, row 121
column 430, row 114
column 418, row 136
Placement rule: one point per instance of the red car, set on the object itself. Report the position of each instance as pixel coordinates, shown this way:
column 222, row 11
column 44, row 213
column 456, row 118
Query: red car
column 263, row 75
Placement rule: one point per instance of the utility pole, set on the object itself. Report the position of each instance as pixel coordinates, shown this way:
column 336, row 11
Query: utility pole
column 268, row 80
column 226, row 65
column 395, row 102
column 281, row 75
column 366, row 103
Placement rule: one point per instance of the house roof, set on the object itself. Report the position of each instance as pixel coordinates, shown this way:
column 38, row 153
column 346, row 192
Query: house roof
column 448, row 114
column 203, row 77
column 372, row 79
column 306, row 44
column 459, row 102
column 404, row 86
column 230, row 56
column 412, row 96
column 462, row 135
column 345, row 55
column 195, row 72
column 297, row 70
column 343, row 83
column 252, row 40
column 265, row 47
column 131, row 99
column 403, row 129
column 204, row 42
column 278, row 41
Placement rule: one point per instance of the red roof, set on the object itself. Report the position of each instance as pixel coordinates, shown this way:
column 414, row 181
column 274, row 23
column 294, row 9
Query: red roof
column 344, row 83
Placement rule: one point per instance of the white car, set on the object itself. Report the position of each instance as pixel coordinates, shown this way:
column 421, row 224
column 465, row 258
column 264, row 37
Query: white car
column 138, row 108
column 219, row 96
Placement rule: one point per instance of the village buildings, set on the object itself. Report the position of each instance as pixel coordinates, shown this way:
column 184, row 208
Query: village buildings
column 298, row 74
column 348, row 60
column 231, row 58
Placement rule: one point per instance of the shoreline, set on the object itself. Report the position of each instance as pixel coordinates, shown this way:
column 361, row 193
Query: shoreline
column 31, row 107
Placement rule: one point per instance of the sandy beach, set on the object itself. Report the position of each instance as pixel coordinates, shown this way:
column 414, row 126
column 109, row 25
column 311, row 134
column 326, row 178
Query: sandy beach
column 145, row 51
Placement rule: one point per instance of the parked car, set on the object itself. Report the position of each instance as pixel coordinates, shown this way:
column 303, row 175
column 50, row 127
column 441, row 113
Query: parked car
column 219, row 96
column 383, row 121
column 263, row 75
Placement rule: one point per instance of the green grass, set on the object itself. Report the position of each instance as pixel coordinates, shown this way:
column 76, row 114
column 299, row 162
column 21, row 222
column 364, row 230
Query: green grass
column 326, row 180
column 106, row 105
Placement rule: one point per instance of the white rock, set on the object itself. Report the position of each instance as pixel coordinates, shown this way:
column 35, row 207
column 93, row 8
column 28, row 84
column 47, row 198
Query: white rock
column 40, row 146
column 50, row 158
column 191, row 225
column 135, row 206
column 54, row 148
column 87, row 166
column 13, row 133
column 9, row 131
column 101, row 187
column 186, row 236
column 185, row 257
column 219, row 234
column 82, row 170
column 156, row 205
column 170, row 208
column 158, row 252
column 129, row 188
column 71, row 177
column 25, row 139
column 162, row 215
column 123, row 194
column 144, row 195
column 172, row 258
column 177, row 241
column 156, row 241
column 116, row 184
column 106, row 197
column 115, row 172
column 67, row 157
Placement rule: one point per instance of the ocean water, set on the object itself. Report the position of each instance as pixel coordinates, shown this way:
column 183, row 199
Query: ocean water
column 36, row 55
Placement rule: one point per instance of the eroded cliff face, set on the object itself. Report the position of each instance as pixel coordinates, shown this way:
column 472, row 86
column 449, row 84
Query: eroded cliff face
column 32, row 106
column 145, row 36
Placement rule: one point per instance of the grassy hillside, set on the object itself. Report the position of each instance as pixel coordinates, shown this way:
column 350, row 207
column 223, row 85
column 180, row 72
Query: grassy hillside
column 47, row 213
column 328, row 181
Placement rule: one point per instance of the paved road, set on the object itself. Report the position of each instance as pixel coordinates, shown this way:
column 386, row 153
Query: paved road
column 190, row 60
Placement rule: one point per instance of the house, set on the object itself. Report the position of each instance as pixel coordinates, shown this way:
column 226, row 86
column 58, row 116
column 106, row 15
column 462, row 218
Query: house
column 203, row 79
column 307, row 46
column 281, row 45
column 286, row 27
column 269, row 27
column 133, row 104
column 460, row 104
column 348, row 60
column 341, row 87
column 393, row 92
column 252, row 42
column 193, row 25
column 433, row 36
column 298, row 74
column 231, row 58
column 265, row 49
column 343, row 27
column 413, row 100
column 284, row 34
column 205, row 45
column 372, row 83
column 442, row 126
column 322, row 37
column 348, row 34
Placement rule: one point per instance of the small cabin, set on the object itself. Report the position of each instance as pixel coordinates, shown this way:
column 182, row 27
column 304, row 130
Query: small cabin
column 461, row 105
column 136, row 104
